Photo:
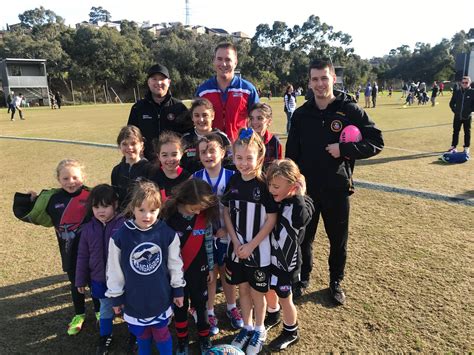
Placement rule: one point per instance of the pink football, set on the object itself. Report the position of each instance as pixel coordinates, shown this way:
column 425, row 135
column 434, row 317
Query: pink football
column 350, row 134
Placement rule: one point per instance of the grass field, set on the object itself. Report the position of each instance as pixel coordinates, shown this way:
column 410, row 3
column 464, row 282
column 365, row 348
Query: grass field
column 409, row 272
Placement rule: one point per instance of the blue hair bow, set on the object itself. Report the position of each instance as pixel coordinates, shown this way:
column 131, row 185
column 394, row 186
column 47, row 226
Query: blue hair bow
column 246, row 133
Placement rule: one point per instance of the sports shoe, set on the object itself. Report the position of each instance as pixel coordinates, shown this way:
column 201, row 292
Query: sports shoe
column 104, row 345
column 272, row 319
column 235, row 318
column 284, row 340
column 183, row 346
column 337, row 292
column 241, row 340
column 298, row 292
column 466, row 150
column 452, row 149
column 213, row 328
column 256, row 342
column 204, row 344
column 193, row 313
column 76, row 324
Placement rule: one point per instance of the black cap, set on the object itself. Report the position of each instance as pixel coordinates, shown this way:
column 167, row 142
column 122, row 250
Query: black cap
column 158, row 68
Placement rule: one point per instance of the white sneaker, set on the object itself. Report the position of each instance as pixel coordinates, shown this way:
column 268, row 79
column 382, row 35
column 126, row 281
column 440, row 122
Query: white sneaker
column 256, row 342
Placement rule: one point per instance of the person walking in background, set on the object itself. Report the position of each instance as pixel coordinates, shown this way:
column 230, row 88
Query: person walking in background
column 313, row 143
column 375, row 91
column 10, row 101
column 434, row 93
column 230, row 95
column 290, row 105
column 441, row 88
column 462, row 105
column 159, row 111
column 367, row 95
column 16, row 106
column 59, row 99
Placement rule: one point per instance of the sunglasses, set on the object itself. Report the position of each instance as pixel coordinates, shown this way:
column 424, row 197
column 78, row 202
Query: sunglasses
column 465, row 82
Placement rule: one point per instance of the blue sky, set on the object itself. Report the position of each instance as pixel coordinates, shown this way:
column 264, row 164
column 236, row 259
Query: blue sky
column 374, row 26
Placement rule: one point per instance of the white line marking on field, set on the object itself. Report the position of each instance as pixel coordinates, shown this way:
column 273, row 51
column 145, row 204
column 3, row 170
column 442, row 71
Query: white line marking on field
column 359, row 183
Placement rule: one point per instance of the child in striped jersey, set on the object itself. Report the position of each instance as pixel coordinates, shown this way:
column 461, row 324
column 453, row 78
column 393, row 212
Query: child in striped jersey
column 287, row 186
column 250, row 214
column 211, row 152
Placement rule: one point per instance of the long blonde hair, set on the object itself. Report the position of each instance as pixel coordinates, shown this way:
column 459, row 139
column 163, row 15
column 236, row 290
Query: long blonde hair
column 288, row 170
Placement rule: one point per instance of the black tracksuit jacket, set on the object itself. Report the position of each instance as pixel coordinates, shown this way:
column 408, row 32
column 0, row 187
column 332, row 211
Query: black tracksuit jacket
column 153, row 119
column 313, row 129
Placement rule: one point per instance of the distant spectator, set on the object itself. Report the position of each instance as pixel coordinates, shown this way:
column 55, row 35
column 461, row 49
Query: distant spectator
column 434, row 93
column 375, row 91
column 462, row 105
column 290, row 105
column 367, row 95
column 10, row 101
column 441, row 88
column 59, row 99
column 16, row 105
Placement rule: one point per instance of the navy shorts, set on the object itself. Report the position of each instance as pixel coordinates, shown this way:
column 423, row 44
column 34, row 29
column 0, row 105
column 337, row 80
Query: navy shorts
column 281, row 282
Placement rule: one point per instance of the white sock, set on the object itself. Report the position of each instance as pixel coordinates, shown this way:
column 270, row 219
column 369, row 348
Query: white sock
column 260, row 328
column 273, row 310
column 249, row 327
column 210, row 312
column 231, row 306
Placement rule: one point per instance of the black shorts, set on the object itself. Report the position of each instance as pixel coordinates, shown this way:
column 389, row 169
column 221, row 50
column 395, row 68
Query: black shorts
column 257, row 277
column 281, row 282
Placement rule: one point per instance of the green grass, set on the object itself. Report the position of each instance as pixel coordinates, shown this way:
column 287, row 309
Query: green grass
column 409, row 271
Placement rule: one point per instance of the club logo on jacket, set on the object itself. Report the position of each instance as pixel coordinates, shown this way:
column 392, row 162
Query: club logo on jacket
column 171, row 116
column 146, row 258
column 336, row 126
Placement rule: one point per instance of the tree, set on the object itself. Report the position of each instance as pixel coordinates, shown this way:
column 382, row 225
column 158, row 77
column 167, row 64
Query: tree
column 99, row 14
column 39, row 16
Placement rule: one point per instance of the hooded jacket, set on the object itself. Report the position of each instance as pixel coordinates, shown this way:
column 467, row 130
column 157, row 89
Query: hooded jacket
column 313, row 129
column 93, row 252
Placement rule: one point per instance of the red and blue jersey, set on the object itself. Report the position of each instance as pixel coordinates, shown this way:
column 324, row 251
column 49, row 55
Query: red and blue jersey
column 231, row 106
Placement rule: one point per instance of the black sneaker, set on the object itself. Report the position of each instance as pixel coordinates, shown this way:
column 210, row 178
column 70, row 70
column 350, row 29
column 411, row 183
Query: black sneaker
column 284, row 340
column 104, row 345
column 337, row 292
column 271, row 320
column 298, row 291
column 205, row 344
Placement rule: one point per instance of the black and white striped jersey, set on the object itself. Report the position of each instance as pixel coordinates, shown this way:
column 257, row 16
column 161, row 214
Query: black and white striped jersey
column 249, row 202
column 294, row 214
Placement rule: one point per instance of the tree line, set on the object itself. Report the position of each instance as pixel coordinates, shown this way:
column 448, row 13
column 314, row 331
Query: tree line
column 276, row 55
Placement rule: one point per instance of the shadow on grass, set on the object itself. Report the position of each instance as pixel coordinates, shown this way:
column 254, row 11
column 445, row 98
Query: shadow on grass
column 377, row 161
column 322, row 297
column 35, row 317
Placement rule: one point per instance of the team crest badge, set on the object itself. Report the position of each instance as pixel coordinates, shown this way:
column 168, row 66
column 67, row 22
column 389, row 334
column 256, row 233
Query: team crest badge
column 257, row 194
column 259, row 276
column 171, row 116
column 336, row 126
column 146, row 258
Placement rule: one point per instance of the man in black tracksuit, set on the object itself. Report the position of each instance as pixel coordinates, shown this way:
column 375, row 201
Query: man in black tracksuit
column 313, row 143
column 462, row 105
column 159, row 111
